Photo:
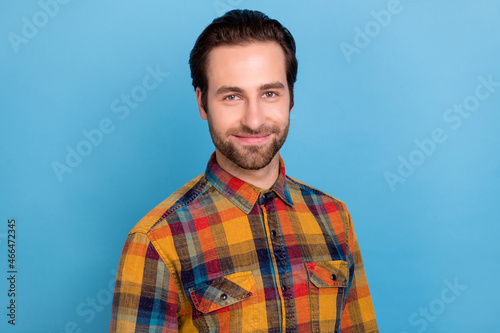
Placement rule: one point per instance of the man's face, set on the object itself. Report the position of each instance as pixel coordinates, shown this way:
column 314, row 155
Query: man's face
column 248, row 102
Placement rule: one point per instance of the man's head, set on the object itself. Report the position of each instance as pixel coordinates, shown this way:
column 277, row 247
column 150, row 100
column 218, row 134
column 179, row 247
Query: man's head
column 240, row 27
column 243, row 67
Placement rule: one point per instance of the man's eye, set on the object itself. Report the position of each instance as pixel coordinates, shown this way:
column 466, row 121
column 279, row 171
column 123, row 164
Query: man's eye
column 270, row 94
column 231, row 97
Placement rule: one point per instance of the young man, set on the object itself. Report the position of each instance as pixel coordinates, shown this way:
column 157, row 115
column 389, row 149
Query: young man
column 243, row 247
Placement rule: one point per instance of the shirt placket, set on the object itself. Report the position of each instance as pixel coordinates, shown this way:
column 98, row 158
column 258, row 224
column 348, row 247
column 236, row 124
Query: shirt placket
column 280, row 260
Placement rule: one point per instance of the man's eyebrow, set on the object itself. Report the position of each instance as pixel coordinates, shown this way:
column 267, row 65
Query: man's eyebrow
column 228, row 89
column 274, row 85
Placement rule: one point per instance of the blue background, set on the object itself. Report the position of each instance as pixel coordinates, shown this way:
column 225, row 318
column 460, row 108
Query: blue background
column 357, row 116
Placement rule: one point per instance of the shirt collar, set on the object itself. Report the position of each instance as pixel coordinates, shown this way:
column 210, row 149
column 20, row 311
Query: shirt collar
column 244, row 195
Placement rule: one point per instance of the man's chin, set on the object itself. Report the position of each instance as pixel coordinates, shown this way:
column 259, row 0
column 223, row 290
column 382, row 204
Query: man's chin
column 251, row 158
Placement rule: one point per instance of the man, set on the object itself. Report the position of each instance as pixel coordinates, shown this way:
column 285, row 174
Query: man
column 243, row 247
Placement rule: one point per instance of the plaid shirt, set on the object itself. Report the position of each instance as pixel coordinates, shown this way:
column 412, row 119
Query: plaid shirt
column 221, row 255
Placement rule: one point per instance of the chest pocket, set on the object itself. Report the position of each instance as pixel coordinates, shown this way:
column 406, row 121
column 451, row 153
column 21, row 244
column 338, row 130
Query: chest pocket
column 216, row 300
column 328, row 281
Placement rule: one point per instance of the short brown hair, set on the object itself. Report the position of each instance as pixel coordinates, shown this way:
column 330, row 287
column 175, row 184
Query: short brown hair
column 238, row 27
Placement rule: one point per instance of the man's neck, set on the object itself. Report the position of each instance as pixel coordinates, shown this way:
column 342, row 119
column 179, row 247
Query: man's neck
column 263, row 178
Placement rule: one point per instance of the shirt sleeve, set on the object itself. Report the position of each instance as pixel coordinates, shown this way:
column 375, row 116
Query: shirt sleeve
column 145, row 298
column 359, row 314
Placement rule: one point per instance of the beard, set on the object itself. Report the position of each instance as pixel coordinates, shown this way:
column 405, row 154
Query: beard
column 249, row 157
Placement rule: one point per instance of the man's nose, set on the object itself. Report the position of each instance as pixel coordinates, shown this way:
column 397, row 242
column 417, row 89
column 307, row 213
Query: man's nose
column 254, row 116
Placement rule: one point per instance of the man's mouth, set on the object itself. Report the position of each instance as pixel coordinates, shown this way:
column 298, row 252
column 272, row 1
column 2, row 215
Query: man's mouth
column 252, row 139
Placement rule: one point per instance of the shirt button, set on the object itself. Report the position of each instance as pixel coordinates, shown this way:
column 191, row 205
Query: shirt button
column 283, row 288
column 223, row 297
column 334, row 277
column 273, row 233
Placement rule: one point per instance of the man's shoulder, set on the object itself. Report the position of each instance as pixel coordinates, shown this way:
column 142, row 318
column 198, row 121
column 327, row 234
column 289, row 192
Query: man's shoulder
column 307, row 190
column 180, row 198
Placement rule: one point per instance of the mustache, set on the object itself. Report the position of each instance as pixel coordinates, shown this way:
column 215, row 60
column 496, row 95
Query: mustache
column 244, row 130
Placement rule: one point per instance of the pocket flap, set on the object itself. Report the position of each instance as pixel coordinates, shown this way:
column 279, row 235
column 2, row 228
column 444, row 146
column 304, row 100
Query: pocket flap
column 325, row 274
column 222, row 292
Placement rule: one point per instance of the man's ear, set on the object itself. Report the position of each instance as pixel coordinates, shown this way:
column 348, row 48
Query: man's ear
column 201, row 109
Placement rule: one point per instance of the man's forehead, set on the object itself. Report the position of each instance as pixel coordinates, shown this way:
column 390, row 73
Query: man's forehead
column 232, row 62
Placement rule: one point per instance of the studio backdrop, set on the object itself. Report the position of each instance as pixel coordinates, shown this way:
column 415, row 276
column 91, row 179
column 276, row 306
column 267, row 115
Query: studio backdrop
column 397, row 113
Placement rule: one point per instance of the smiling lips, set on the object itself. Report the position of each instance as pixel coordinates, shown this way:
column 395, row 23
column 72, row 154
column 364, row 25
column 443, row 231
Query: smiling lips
column 252, row 139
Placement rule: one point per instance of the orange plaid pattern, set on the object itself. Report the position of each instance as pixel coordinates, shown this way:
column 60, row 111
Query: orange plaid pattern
column 221, row 255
